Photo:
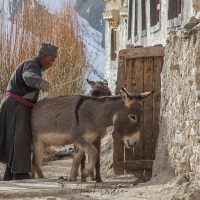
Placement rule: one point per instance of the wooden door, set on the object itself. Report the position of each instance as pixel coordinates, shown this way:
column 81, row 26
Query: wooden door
column 139, row 71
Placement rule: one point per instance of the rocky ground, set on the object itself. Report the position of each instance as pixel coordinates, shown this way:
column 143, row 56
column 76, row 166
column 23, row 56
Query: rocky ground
column 116, row 187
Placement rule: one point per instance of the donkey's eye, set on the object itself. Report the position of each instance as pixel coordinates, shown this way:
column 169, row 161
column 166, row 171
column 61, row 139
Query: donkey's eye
column 133, row 117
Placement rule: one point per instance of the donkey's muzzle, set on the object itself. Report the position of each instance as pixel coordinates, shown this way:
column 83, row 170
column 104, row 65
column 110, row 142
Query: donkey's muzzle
column 131, row 141
column 130, row 144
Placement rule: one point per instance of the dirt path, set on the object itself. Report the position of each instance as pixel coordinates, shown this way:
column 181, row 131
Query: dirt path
column 115, row 187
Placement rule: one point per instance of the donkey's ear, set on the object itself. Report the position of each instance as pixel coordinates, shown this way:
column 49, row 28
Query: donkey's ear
column 123, row 93
column 126, row 97
column 105, row 82
column 91, row 83
column 143, row 96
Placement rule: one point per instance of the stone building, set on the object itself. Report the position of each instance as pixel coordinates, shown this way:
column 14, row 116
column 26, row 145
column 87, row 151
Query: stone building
column 139, row 23
column 175, row 26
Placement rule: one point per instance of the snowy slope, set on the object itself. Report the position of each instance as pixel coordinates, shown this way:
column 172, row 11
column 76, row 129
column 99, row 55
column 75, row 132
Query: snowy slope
column 96, row 53
column 92, row 39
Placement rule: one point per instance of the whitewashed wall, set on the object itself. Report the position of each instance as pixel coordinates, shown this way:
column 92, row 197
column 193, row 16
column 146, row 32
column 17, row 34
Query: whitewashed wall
column 159, row 36
column 151, row 39
column 112, row 65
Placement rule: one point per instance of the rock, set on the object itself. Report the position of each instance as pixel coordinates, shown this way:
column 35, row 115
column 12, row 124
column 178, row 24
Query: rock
column 50, row 198
column 185, row 34
column 193, row 31
column 181, row 180
column 65, row 152
column 172, row 32
column 190, row 23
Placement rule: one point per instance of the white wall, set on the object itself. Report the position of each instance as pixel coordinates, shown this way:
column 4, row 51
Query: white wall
column 151, row 39
column 111, row 66
column 159, row 36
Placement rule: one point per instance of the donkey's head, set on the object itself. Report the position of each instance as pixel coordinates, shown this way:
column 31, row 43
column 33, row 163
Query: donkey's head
column 128, row 121
column 99, row 89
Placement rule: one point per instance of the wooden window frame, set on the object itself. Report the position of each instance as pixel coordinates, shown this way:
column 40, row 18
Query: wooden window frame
column 130, row 17
column 136, row 21
column 179, row 7
column 113, row 44
column 176, row 20
column 158, row 10
column 144, row 22
column 155, row 25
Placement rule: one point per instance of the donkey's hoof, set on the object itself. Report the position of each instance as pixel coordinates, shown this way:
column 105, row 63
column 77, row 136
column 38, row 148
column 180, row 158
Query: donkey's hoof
column 85, row 173
column 83, row 179
column 32, row 176
column 98, row 180
column 92, row 179
column 72, row 179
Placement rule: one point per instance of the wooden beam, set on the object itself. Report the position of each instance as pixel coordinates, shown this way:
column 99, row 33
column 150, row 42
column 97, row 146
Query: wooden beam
column 120, row 75
column 148, row 85
column 138, row 88
column 141, row 52
column 118, row 154
column 136, row 164
column 158, row 63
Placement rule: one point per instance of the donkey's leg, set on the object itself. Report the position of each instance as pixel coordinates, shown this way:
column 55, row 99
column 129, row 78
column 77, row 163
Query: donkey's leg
column 91, row 175
column 83, row 179
column 82, row 163
column 75, row 164
column 38, row 149
column 97, row 166
column 32, row 170
column 97, row 178
column 32, row 174
column 92, row 152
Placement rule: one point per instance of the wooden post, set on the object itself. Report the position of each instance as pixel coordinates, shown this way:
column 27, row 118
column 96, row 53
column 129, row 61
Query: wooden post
column 129, row 88
column 118, row 151
column 120, row 75
column 158, row 63
column 118, row 154
column 148, row 113
column 138, row 88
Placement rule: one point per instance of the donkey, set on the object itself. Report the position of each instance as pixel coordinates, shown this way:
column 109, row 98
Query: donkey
column 98, row 89
column 80, row 120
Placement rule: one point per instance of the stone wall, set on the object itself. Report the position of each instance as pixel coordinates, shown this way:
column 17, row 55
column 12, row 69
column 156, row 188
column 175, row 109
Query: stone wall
column 178, row 148
column 179, row 138
column 196, row 5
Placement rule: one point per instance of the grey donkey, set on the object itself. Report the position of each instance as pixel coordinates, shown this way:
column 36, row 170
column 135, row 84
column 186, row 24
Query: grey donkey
column 98, row 89
column 79, row 120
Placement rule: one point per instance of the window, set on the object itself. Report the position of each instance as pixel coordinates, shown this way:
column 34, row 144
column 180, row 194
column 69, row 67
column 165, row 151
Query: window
column 143, row 15
column 174, row 13
column 155, row 12
column 130, row 7
column 113, row 43
column 136, row 18
column 174, row 8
